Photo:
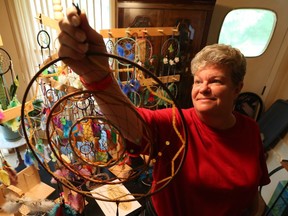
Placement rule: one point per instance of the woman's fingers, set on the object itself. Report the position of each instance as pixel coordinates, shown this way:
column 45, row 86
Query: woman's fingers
column 70, row 41
column 73, row 16
column 67, row 51
column 69, row 47
column 77, row 40
column 76, row 33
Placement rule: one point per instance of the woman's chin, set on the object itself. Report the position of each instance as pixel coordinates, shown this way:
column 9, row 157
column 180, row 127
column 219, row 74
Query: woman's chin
column 207, row 110
column 204, row 108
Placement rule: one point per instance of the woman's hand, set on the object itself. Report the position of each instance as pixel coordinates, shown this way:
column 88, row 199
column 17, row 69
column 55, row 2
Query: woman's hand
column 77, row 39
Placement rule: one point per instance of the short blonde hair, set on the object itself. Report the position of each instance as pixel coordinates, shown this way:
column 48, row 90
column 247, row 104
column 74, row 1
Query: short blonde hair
column 223, row 56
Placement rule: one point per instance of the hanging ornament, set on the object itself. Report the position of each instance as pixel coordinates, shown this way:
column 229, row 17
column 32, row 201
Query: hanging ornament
column 28, row 158
column 62, row 210
column 11, row 172
column 4, row 177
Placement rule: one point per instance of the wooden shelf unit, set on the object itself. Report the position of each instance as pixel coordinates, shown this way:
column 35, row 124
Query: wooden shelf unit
column 124, row 32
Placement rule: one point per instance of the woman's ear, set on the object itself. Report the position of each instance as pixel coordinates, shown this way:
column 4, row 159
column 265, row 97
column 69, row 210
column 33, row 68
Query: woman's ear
column 239, row 87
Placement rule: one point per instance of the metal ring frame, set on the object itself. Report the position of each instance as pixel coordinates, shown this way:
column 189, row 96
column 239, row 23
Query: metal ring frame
column 45, row 166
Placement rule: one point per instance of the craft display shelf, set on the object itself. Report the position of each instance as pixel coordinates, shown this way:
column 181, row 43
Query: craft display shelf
column 15, row 112
column 124, row 32
column 47, row 21
column 163, row 79
column 139, row 32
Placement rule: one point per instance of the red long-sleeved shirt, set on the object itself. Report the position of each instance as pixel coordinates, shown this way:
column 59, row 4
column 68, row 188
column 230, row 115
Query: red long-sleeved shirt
column 222, row 169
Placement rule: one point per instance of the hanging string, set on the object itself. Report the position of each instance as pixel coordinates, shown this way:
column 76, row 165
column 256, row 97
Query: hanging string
column 117, row 208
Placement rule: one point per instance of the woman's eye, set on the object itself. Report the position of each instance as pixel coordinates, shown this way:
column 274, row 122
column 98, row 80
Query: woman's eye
column 197, row 82
column 217, row 81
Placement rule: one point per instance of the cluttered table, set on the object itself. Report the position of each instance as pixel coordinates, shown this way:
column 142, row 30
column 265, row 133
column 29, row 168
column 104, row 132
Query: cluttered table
column 95, row 207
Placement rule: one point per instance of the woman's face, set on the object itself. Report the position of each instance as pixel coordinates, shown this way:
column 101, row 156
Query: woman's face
column 213, row 91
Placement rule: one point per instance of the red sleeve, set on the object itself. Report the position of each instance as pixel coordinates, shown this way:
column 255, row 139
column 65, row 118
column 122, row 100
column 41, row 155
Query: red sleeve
column 265, row 179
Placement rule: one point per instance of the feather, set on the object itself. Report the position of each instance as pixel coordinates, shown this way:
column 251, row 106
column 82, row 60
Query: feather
column 39, row 157
column 38, row 205
column 40, row 147
column 76, row 201
column 11, row 207
column 46, row 154
column 13, row 204
column 4, row 177
column 57, row 173
column 61, row 210
column 43, row 122
column 28, row 160
column 60, row 173
column 77, row 84
column 53, row 157
column 62, row 79
column 13, row 103
column 14, row 124
column 85, row 172
column 12, row 174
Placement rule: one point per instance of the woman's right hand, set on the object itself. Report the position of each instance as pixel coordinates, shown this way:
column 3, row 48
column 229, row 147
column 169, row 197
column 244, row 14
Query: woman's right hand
column 77, row 39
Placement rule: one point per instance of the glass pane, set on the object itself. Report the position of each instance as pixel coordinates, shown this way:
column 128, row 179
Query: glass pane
column 250, row 30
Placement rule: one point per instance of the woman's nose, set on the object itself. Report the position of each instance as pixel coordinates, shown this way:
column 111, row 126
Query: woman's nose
column 204, row 88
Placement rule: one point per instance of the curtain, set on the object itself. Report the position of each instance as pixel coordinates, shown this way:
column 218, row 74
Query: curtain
column 24, row 16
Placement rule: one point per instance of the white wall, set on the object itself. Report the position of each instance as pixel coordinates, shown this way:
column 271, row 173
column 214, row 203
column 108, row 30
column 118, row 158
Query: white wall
column 279, row 87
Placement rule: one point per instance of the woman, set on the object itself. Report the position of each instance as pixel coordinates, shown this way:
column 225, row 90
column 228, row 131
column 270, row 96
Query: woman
column 224, row 164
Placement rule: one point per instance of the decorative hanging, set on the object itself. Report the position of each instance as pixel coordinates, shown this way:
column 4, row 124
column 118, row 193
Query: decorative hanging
column 86, row 144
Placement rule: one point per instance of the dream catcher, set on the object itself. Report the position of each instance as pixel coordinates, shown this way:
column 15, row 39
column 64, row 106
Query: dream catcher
column 170, row 48
column 43, row 40
column 127, row 48
column 110, row 48
column 5, row 62
column 132, row 88
column 150, row 99
column 145, row 51
column 7, row 95
column 145, row 59
column 170, row 52
column 90, row 150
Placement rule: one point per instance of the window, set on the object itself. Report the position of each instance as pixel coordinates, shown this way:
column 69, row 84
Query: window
column 26, row 26
column 250, row 30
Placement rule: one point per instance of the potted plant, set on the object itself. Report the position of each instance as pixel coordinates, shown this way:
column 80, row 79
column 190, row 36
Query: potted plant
column 8, row 100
